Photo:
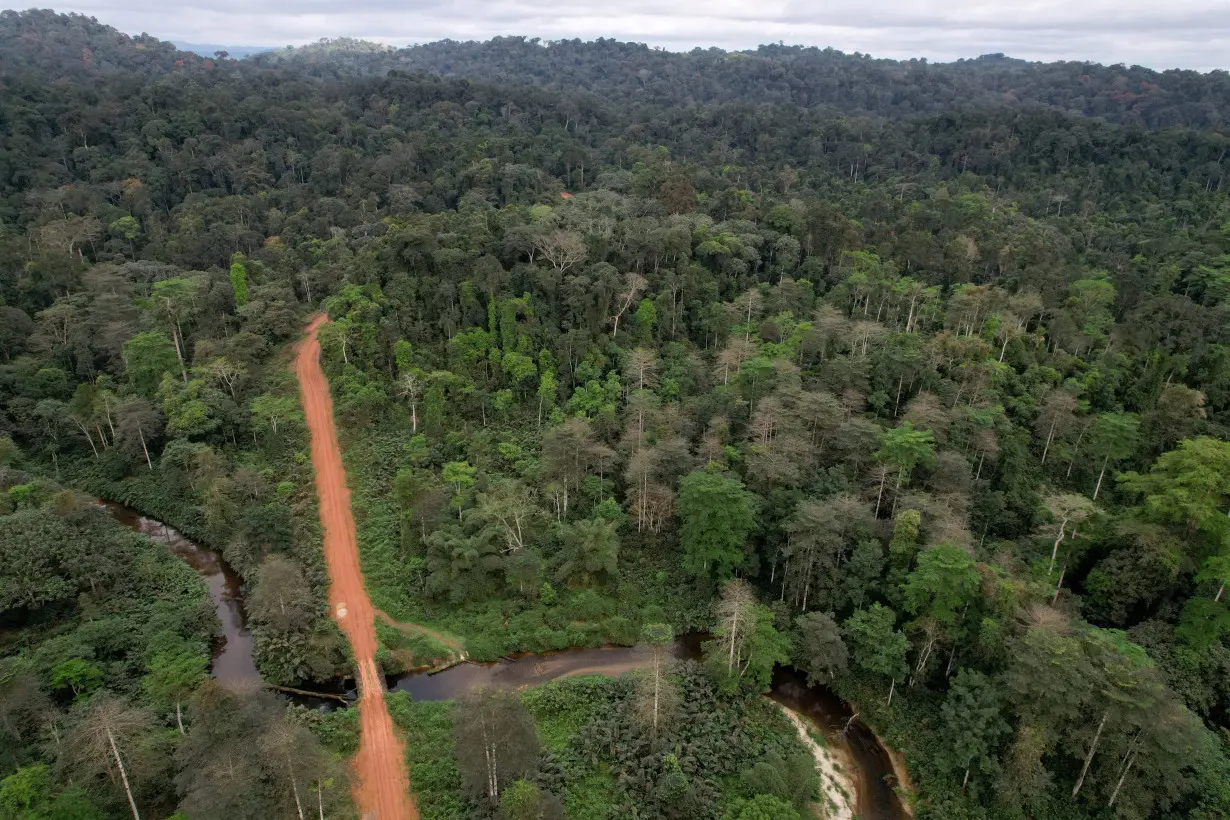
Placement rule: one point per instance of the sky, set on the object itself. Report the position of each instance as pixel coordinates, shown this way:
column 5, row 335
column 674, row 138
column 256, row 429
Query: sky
column 1175, row 34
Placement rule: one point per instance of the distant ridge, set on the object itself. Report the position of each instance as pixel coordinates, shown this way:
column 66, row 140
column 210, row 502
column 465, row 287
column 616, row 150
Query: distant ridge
column 209, row 49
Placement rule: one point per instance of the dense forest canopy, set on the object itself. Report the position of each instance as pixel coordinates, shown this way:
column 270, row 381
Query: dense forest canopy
column 915, row 377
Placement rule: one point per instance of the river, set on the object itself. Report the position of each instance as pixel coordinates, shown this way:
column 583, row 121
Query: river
column 233, row 660
column 233, row 663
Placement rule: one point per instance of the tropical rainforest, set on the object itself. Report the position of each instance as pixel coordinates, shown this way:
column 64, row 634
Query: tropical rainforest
column 914, row 377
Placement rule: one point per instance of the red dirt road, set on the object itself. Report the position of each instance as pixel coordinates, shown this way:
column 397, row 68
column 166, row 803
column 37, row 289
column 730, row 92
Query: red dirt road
column 382, row 788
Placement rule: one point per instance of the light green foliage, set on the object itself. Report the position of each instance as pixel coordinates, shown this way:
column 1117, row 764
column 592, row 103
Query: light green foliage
column 239, row 279
column 905, row 448
column 30, row 794
column 460, row 475
column 173, row 676
column 273, row 411
column 81, row 676
column 1189, row 486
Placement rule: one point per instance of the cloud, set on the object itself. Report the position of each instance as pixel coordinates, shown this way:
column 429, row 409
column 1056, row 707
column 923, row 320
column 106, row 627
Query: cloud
column 1179, row 34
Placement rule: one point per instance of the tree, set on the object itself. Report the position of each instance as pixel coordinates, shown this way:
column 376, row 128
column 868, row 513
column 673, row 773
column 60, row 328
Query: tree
column 903, row 449
column 657, row 697
column 239, row 279
column 591, row 550
column 103, row 739
column 139, row 423
column 273, row 410
column 570, row 451
column 875, row 645
column 281, row 596
column 173, row 300
column 1054, row 417
column 942, row 584
column 746, row 647
column 225, row 372
column 563, row 249
column 819, row 650
column 77, row 674
column 30, row 794
column 510, row 506
column 634, row 283
column 410, row 387
column 496, row 743
column 172, row 677
column 937, row 593
column 147, row 356
column 461, row 475
column 1114, row 437
column 1068, row 509
column 717, row 516
column 1189, row 486
column 973, row 722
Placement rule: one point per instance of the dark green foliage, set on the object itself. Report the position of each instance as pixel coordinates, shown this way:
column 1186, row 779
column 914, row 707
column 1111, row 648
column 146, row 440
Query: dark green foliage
column 939, row 350
column 591, row 729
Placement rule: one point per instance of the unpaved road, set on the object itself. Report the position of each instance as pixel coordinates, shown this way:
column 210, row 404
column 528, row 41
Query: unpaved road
column 382, row 787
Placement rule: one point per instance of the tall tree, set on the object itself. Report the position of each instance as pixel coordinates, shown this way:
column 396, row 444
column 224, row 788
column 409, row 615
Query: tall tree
column 496, row 742
column 717, row 516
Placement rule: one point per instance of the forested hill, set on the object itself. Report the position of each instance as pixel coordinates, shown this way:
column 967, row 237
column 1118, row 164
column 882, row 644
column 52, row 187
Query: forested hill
column 804, row 76
column 916, row 378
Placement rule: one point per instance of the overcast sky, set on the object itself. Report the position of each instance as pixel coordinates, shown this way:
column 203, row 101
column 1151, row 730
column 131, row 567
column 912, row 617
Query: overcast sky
column 1173, row 34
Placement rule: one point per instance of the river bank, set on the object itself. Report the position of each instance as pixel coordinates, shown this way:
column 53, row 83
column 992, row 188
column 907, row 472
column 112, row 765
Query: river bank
column 858, row 761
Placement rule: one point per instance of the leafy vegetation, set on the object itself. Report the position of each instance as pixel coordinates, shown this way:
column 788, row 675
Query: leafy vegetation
column 916, row 376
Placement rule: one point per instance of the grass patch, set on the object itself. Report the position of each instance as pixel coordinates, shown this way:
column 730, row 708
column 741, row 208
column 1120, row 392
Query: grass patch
column 410, row 649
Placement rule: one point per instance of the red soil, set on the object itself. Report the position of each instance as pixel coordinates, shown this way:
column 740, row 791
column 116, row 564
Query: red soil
column 382, row 786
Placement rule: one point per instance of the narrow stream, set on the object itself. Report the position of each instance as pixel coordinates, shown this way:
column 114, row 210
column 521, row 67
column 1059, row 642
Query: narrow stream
column 233, row 662
column 232, row 652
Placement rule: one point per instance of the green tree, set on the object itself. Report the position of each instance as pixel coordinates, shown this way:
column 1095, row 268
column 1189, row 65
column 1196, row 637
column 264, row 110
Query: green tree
column 77, row 674
column 271, row 410
column 717, row 516
column 591, row 551
column 1189, row 486
column 148, row 356
column 239, row 279
column 172, row 677
column 1114, row 437
column 461, row 475
column 875, row 645
column 30, row 794
column 819, row 650
column 745, row 647
column 903, row 449
column 973, row 722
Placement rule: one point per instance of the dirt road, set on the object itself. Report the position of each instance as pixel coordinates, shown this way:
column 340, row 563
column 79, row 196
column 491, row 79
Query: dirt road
column 382, row 788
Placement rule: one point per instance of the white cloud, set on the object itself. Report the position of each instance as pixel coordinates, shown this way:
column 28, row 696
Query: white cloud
column 1179, row 34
